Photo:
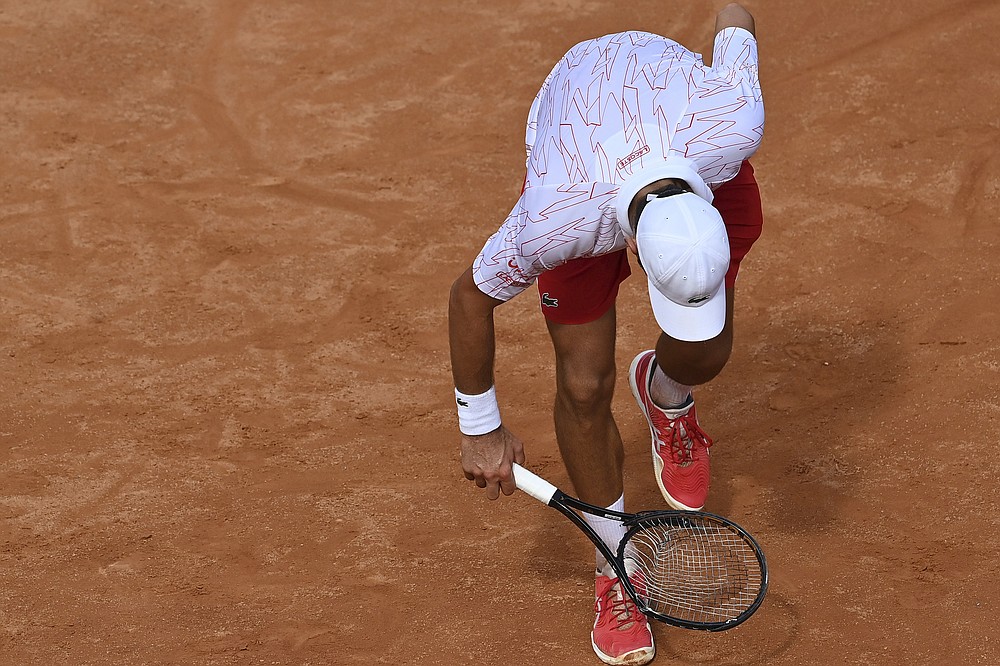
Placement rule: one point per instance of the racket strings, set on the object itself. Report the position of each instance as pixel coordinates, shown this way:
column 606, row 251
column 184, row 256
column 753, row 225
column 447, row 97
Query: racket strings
column 695, row 572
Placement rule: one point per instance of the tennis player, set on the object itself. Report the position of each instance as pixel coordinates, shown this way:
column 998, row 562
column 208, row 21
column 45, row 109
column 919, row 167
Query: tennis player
column 634, row 145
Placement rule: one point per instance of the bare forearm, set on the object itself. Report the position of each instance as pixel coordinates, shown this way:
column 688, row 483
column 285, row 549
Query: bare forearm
column 734, row 15
column 471, row 336
column 486, row 457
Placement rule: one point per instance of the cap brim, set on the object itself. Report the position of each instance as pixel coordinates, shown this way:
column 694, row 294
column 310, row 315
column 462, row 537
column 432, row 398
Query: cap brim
column 690, row 323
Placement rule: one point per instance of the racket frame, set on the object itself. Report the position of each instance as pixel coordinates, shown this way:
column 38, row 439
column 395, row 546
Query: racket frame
column 568, row 505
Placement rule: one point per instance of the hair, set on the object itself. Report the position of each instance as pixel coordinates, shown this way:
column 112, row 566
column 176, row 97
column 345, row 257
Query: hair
column 668, row 190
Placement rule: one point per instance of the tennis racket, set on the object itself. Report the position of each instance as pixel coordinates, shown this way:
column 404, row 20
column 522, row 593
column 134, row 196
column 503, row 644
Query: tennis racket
column 688, row 569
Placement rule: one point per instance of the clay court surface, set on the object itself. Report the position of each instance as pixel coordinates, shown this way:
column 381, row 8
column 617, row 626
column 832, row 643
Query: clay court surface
column 227, row 233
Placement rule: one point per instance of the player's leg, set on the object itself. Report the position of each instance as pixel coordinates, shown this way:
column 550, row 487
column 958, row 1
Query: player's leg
column 662, row 381
column 588, row 437
column 578, row 301
column 689, row 364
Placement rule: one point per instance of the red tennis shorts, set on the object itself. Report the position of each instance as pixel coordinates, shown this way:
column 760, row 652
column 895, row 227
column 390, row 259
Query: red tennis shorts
column 582, row 290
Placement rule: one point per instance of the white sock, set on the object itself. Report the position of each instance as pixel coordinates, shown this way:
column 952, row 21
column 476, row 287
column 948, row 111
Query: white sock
column 666, row 393
column 610, row 531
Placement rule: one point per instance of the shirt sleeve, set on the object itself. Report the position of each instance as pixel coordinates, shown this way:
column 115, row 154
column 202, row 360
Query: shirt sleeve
column 728, row 143
column 736, row 48
column 549, row 225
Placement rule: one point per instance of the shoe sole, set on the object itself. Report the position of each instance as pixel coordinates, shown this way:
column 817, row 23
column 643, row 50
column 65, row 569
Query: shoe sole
column 634, row 658
column 657, row 463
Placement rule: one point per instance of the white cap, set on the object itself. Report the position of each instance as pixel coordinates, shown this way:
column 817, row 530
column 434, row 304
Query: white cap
column 684, row 249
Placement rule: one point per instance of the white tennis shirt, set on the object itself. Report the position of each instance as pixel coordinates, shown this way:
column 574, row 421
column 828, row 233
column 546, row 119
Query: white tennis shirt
column 610, row 109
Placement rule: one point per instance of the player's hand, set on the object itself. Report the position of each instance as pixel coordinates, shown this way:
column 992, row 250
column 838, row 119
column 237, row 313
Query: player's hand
column 487, row 459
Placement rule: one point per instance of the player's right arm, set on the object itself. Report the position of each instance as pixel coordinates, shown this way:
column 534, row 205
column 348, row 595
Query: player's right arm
column 734, row 15
column 486, row 457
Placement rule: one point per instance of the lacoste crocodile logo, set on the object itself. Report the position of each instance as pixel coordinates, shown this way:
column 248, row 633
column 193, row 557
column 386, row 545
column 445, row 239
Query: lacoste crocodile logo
column 549, row 302
column 461, row 403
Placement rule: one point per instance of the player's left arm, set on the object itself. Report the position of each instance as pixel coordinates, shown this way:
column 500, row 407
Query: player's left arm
column 734, row 15
column 735, row 70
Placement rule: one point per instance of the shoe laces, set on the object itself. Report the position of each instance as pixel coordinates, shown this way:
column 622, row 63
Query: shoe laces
column 619, row 605
column 679, row 435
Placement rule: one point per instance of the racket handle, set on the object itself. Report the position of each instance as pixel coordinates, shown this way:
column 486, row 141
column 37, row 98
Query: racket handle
column 533, row 484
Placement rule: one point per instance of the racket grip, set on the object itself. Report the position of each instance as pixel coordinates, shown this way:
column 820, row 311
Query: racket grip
column 533, row 484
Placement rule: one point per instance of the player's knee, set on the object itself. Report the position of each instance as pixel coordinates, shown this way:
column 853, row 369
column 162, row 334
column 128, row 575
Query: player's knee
column 710, row 363
column 586, row 391
column 694, row 363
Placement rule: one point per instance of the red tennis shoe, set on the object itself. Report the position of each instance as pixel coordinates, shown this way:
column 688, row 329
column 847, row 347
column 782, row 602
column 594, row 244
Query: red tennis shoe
column 621, row 633
column 680, row 446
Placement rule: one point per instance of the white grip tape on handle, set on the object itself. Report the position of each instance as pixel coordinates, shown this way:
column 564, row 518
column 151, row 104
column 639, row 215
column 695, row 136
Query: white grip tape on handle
column 533, row 484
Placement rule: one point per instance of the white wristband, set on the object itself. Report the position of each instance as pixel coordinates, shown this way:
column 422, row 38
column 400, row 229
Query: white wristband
column 478, row 414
